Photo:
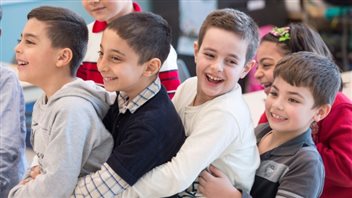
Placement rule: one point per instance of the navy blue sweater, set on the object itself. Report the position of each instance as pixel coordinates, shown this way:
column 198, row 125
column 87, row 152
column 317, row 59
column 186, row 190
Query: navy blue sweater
column 149, row 137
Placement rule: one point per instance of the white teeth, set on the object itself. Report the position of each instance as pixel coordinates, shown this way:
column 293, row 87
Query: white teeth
column 277, row 116
column 109, row 78
column 22, row 62
column 213, row 78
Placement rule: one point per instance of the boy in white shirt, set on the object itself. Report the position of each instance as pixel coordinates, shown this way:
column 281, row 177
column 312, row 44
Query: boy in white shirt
column 217, row 121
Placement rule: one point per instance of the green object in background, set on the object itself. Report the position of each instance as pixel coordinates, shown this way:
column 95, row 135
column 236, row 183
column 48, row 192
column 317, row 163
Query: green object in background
column 333, row 12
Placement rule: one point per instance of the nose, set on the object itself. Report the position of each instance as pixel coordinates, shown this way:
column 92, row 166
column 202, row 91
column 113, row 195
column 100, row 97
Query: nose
column 101, row 64
column 218, row 66
column 18, row 48
column 258, row 73
column 277, row 103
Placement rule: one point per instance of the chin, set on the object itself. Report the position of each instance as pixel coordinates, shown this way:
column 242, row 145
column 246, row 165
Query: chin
column 110, row 89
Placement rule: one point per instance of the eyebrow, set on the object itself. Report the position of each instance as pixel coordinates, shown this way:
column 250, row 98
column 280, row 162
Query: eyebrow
column 264, row 59
column 290, row 92
column 295, row 94
column 114, row 50
column 29, row 35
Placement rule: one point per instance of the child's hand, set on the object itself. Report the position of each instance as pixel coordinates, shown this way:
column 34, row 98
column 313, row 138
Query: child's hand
column 216, row 184
column 35, row 171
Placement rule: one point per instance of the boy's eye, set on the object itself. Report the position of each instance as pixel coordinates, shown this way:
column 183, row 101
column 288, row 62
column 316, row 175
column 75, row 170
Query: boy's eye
column 209, row 55
column 231, row 62
column 115, row 58
column 293, row 100
column 26, row 41
column 100, row 53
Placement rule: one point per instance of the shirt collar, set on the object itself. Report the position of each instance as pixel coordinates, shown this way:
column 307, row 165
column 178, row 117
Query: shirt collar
column 140, row 99
column 100, row 26
column 291, row 147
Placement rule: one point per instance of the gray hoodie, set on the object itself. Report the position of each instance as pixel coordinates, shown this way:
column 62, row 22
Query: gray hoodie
column 69, row 139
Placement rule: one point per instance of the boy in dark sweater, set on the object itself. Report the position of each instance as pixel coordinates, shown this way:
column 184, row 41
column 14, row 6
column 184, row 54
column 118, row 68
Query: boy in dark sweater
column 143, row 121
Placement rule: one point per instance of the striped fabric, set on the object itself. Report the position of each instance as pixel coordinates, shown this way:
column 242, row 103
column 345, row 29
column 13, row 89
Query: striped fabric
column 140, row 99
column 103, row 183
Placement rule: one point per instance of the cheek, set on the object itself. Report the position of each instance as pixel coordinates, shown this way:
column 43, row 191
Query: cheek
column 130, row 73
column 233, row 74
column 267, row 103
column 112, row 8
column 270, row 74
column 200, row 65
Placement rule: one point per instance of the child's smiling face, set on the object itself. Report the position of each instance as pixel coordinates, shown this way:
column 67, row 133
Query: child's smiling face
column 118, row 64
column 35, row 56
column 220, row 63
column 290, row 108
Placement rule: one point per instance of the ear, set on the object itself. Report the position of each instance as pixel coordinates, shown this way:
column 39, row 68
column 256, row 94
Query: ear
column 64, row 57
column 248, row 68
column 196, row 50
column 152, row 67
column 322, row 112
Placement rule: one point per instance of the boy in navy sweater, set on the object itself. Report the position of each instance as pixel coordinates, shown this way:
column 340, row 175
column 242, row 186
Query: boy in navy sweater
column 143, row 121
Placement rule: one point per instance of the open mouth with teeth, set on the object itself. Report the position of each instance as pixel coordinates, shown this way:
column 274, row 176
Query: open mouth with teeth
column 213, row 79
column 277, row 117
column 108, row 79
column 22, row 63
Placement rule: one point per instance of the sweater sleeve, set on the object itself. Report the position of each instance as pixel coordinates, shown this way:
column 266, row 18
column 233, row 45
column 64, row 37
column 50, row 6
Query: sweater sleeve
column 62, row 159
column 337, row 151
column 12, row 131
column 200, row 149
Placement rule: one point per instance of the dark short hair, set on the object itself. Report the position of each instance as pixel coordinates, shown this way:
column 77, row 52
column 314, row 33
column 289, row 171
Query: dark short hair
column 234, row 21
column 307, row 69
column 148, row 34
column 65, row 29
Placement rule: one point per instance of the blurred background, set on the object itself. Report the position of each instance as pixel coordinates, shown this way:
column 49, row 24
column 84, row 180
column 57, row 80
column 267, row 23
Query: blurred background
column 332, row 18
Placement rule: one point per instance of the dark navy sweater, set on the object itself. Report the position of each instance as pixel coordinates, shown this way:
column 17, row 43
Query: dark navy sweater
column 149, row 137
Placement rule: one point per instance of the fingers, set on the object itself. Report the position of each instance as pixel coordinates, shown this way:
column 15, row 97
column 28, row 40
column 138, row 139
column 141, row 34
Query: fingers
column 203, row 181
column 205, row 175
column 216, row 172
column 201, row 189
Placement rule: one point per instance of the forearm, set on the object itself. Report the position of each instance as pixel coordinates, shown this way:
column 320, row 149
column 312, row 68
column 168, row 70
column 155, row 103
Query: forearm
column 175, row 176
column 43, row 186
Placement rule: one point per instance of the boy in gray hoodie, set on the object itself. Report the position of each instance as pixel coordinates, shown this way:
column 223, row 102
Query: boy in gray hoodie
column 68, row 135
